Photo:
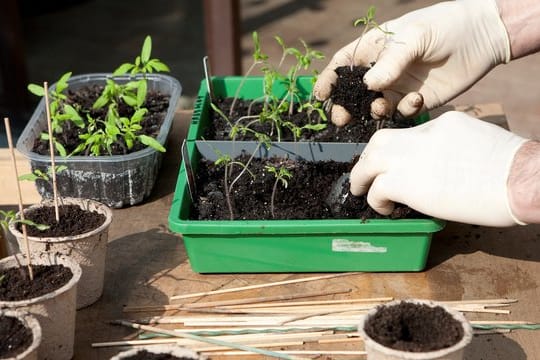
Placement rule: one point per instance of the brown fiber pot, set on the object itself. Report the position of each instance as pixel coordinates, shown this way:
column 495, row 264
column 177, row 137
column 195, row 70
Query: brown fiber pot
column 54, row 311
column 376, row 351
column 89, row 250
column 30, row 322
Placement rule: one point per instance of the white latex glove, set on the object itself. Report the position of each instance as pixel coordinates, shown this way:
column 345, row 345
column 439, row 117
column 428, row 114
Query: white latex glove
column 455, row 167
column 438, row 52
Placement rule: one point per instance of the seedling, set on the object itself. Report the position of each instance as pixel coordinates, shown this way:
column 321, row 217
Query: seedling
column 97, row 134
column 368, row 22
column 37, row 174
column 282, row 176
column 275, row 110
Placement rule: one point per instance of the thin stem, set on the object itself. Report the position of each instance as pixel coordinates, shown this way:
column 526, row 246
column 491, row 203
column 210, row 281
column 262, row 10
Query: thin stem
column 273, row 198
column 51, row 149
column 255, row 63
column 228, row 192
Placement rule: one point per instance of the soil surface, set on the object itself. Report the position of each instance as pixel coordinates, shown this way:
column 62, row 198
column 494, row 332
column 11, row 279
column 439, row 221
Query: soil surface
column 84, row 98
column 73, row 221
column 145, row 355
column 414, row 327
column 305, row 196
column 15, row 338
column 349, row 92
column 16, row 284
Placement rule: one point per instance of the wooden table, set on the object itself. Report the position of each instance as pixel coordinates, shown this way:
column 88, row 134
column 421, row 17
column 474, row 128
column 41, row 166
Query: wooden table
column 146, row 264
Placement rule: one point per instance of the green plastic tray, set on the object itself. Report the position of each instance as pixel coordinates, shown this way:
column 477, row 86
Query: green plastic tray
column 254, row 246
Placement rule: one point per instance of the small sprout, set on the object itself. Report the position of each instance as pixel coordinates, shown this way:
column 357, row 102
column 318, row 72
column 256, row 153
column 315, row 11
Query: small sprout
column 281, row 176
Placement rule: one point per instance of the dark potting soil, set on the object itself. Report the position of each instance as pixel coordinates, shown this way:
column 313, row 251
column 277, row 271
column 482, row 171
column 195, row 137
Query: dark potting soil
column 414, row 327
column 84, row 98
column 16, row 285
column 15, row 338
column 349, row 92
column 303, row 198
column 73, row 221
column 145, row 355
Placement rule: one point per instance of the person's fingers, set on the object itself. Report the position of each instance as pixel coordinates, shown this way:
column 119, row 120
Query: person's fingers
column 340, row 116
column 364, row 51
column 380, row 109
column 377, row 197
column 323, row 86
column 369, row 166
column 393, row 60
column 411, row 104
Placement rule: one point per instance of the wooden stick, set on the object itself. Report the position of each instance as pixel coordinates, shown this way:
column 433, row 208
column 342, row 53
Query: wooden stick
column 316, row 302
column 51, row 149
column 189, row 307
column 202, row 339
column 21, row 213
column 258, row 286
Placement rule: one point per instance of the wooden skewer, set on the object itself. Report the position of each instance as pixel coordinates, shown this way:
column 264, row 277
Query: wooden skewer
column 258, row 286
column 316, row 302
column 188, row 307
column 51, row 150
column 21, row 213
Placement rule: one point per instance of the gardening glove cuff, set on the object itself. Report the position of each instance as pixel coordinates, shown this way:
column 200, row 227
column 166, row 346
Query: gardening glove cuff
column 454, row 167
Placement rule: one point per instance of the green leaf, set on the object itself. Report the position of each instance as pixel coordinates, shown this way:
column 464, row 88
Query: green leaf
column 28, row 177
column 141, row 92
column 158, row 66
column 146, row 49
column 36, row 89
column 60, row 148
column 123, row 69
column 40, row 227
column 101, row 101
column 130, row 100
column 138, row 115
column 153, row 143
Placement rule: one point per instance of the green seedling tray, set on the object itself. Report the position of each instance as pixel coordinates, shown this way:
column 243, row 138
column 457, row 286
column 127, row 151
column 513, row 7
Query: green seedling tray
column 252, row 88
column 264, row 246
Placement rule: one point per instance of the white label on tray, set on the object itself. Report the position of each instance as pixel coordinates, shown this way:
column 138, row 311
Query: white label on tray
column 345, row 245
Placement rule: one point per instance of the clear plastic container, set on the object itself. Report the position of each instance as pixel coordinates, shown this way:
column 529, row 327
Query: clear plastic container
column 117, row 180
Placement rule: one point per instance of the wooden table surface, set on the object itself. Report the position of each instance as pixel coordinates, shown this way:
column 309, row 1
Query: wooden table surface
column 146, row 264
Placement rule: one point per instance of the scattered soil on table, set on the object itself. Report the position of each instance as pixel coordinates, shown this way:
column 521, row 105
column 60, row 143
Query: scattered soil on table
column 145, row 355
column 84, row 98
column 15, row 338
column 303, row 198
column 16, row 284
column 73, row 221
column 414, row 327
column 349, row 92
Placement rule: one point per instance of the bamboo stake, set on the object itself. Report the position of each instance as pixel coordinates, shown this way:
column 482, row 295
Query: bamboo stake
column 205, row 340
column 317, row 302
column 259, row 286
column 189, row 307
column 51, row 150
column 21, row 213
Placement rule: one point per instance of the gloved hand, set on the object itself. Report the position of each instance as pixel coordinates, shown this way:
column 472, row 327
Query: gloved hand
column 438, row 52
column 455, row 167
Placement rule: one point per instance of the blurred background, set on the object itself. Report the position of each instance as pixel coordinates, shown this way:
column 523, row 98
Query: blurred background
column 41, row 40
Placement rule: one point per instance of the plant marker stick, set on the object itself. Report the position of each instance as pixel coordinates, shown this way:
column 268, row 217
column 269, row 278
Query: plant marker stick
column 14, row 162
column 51, row 150
column 207, row 76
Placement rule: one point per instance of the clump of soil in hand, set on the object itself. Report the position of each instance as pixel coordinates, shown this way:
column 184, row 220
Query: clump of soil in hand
column 414, row 327
column 15, row 284
column 15, row 338
column 350, row 92
column 146, row 355
column 73, row 221
column 303, row 198
column 84, row 98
